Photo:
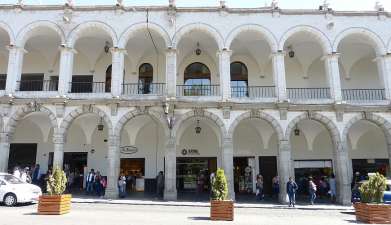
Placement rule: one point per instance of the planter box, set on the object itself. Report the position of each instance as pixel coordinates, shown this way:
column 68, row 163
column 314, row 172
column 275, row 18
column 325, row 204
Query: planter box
column 222, row 210
column 54, row 204
column 373, row 213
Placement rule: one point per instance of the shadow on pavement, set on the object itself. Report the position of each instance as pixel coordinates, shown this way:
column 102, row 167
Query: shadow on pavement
column 199, row 218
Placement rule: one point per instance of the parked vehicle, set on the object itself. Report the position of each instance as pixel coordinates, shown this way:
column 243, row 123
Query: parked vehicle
column 13, row 190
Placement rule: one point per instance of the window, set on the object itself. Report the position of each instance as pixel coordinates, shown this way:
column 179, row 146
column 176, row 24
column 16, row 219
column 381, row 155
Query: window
column 82, row 84
column 31, row 82
column 145, row 77
column 3, row 80
column 239, row 79
column 197, row 80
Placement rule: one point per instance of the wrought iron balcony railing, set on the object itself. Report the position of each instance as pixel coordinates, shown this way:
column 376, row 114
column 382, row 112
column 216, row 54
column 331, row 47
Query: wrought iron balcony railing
column 253, row 92
column 143, row 89
column 308, row 93
column 198, row 90
column 363, row 94
column 38, row 85
column 88, row 87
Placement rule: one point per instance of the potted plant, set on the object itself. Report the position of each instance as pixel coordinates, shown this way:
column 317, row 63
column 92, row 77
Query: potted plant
column 55, row 202
column 370, row 208
column 221, row 208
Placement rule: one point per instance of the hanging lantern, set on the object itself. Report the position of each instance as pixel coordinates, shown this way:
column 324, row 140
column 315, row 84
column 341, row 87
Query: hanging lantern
column 297, row 131
column 198, row 128
column 100, row 125
column 198, row 50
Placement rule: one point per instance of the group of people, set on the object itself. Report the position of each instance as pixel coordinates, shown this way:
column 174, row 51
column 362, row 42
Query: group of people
column 28, row 175
column 128, row 182
column 259, row 185
column 95, row 183
column 323, row 186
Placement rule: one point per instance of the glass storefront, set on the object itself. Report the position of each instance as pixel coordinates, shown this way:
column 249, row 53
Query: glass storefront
column 365, row 166
column 193, row 174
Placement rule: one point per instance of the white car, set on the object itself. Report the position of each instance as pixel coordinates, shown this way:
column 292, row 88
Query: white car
column 13, row 190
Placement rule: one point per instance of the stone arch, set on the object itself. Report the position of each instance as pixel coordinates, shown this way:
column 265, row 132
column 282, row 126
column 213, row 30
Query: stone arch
column 9, row 31
column 379, row 45
column 213, row 32
column 27, row 31
column 376, row 119
column 159, row 117
column 74, row 114
column 79, row 29
column 321, row 37
column 134, row 28
column 329, row 124
column 259, row 115
column 24, row 111
column 203, row 114
column 264, row 32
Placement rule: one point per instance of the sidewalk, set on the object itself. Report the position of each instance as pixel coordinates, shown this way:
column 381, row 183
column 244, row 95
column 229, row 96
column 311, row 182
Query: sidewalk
column 207, row 204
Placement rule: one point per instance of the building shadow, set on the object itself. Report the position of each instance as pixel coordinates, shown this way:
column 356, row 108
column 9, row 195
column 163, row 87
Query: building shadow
column 199, row 218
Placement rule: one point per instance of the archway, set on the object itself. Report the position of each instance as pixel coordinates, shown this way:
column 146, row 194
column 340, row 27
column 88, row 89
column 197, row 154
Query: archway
column 4, row 41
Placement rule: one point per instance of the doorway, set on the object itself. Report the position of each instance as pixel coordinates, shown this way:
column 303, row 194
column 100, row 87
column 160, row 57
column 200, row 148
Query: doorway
column 268, row 169
column 243, row 175
column 134, row 170
column 22, row 155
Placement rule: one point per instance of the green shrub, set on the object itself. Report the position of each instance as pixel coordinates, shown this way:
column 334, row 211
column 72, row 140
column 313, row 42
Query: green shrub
column 56, row 183
column 372, row 191
column 219, row 186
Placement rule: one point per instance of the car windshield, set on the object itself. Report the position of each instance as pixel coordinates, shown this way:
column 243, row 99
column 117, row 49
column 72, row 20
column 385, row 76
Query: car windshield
column 11, row 179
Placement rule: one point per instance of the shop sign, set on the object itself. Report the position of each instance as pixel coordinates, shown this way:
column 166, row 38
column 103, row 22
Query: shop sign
column 190, row 152
column 128, row 150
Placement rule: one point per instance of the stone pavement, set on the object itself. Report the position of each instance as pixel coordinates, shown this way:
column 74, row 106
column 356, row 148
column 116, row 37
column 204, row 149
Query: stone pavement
column 127, row 214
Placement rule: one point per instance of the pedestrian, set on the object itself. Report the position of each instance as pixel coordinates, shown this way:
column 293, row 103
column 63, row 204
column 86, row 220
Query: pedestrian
column 23, row 175
column 259, row 187
column 333, row 188
column 35, row 174
column 312, row 190
column 90, row 182
column 103, row 182
column 276, row 186
column 122, row 186
column 97, row 184
column 160, row 185
column 291, row 188
column 16, row 172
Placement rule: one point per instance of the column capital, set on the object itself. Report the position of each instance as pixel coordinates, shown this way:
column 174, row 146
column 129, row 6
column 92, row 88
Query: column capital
column 333, row 55
column 171, row 50
column 278, row 53
column 114, row 140
column 58, row 138
column 284, row 145
column 227, row 141
column 118, row 50
column 224, row 52
column 12, row 47
column 64, row 48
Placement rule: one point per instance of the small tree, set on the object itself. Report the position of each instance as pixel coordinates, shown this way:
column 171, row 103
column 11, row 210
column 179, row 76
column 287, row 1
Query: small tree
column 56, row 183
column 372, row 191
column 219, row 186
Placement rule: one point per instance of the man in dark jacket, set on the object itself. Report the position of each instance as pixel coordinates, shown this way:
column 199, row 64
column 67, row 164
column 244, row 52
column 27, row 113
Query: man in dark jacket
column 291, row 188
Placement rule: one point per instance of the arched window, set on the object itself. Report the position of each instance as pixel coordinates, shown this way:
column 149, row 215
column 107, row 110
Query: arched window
column 145, row 77
column 197, row 80
column 239, row 79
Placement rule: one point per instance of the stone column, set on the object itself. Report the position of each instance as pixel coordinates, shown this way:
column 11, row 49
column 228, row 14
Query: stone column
column 171, row 70
column 66, row 70
column 4, row 151
column 332, row 70
column 342, row 175
column 113, row 161
column 14, row 71
column 170, row 192
column 225, row 73
column 285, row 167
column 117, row 71
column 58, row 156
column 278, row 60
column 384, row 68
column 228, row 161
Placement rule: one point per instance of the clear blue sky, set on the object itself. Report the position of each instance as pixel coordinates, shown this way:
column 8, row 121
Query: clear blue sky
column 289, row 4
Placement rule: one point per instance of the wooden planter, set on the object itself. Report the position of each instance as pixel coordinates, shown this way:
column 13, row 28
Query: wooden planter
column 54, row 204
column 373, row 213
column 222, row 210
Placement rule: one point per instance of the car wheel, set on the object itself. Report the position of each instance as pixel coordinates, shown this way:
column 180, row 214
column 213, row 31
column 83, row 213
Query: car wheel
column 10, row 200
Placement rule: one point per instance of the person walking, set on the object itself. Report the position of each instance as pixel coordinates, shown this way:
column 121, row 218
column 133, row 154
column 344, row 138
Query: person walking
column 160, row 185
column 333, row 188
column 291, row 188
column 259, row 187
column 122, row 186
column 312, row 190
column 276, row 186
column 103, row 182
column 97, row 184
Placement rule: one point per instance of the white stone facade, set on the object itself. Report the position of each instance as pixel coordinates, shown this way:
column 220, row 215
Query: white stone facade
column 336, row 89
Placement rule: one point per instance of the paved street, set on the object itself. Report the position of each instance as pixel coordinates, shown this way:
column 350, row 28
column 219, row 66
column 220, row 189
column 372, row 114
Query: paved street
column 119, row 214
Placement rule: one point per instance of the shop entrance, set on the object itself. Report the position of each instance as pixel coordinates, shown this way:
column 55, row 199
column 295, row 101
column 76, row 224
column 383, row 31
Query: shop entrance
column 22, row 155
column 268, row 169
column 193, row 174
column 243, row 175
column 319, row 170
column 134, row 170
column 365, row 166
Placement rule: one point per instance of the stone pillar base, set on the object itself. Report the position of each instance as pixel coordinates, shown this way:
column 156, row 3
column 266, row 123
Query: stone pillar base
column 282, row 198
column 170, row 195
column 111, row 193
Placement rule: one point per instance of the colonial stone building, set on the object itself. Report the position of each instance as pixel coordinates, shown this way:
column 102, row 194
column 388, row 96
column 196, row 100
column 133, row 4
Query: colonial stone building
column 139, row 90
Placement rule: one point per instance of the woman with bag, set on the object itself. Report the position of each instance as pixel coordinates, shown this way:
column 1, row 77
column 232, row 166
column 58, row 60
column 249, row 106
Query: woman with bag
column 312, row 190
